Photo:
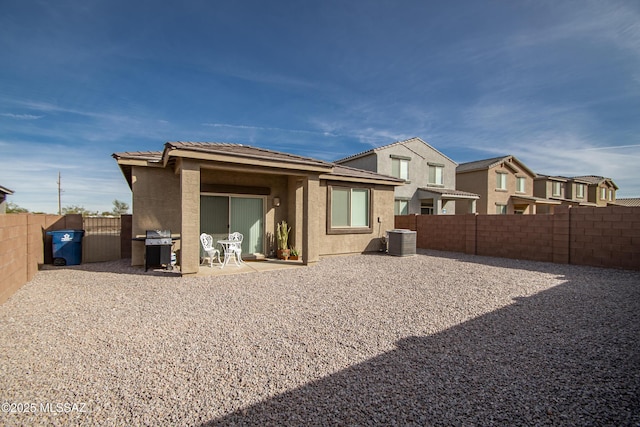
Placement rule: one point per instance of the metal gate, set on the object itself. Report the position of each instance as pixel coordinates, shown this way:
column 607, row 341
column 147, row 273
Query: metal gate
column 101, row 239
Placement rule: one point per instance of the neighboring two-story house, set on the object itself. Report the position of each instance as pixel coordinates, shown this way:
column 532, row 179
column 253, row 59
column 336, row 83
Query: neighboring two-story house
column 600, row 191
column 429, row 175
column 568, row 191
column 505, row 186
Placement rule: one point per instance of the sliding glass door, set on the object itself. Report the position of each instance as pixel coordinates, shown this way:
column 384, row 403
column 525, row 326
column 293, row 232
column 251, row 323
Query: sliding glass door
column 221, row 215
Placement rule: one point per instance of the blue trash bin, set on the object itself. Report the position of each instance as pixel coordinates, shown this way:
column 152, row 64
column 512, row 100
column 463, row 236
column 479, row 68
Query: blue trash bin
column 67, row 246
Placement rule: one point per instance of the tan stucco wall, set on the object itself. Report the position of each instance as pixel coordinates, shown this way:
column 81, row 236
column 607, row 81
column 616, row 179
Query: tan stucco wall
column 473, row 182
column 483, row 182
column 421, row 155
column 190, row 227
column 156, row 205
column 383, row 197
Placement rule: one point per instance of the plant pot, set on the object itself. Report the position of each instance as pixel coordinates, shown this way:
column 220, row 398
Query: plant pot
column 294, row 257
column 284, row 253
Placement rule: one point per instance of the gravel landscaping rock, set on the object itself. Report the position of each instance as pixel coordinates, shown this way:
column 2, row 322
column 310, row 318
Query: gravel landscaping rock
column 435, row 339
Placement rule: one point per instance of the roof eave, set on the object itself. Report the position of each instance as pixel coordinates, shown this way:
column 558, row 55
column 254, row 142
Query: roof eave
column 224, row 156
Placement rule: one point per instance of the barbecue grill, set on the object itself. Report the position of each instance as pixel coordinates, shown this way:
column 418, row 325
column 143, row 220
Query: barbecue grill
column 157, row 246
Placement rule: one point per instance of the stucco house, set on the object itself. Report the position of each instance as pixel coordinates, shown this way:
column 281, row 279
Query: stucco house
column 4, row 192
column 429, row 177
column 601, row 191
column 567, row 191
column 194, row 187
column 505, row 186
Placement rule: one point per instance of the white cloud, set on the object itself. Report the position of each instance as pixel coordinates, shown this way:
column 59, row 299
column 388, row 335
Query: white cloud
column 21, row 116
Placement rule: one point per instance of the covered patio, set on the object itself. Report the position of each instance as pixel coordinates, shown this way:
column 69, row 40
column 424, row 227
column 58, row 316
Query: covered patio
column 219, row 188
column 435, row 201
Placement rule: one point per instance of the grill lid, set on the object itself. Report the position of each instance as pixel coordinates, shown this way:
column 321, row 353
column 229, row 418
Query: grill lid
column 158, row 234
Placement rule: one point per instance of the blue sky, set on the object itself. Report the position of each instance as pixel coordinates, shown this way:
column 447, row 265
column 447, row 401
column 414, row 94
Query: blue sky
column 556, row 83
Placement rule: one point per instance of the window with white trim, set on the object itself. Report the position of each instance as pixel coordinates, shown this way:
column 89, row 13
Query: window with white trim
column 400, row 168
column 521, row 184
column 580, row 191
column 501, row 180
column 349, row 210
column 556, row 189
column 501, row 209
column 603, row 193
column 610, row 195
column 436, row 173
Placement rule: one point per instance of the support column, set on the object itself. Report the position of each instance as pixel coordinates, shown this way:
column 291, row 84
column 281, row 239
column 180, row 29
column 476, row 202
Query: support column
column 295, row 211
column 190, row 211
column 311, row 220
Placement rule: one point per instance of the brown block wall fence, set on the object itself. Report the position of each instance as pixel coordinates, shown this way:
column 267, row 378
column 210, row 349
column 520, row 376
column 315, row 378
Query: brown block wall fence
column 25, row 246
column 602, row 237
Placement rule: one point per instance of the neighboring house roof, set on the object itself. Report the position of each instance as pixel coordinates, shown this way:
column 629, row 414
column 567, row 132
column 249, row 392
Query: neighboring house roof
column 5, row 190
column 348, row 172
column 447, row 192
column 552, row 178
column 536, row 199
column 480, row 164
column 630, row 202
column 595, row 180
column 384, row 147
column 244, row 154
column 490, row 163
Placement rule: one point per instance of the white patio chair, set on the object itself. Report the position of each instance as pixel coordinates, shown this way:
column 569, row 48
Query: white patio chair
column 207, row 246
column 236, row 248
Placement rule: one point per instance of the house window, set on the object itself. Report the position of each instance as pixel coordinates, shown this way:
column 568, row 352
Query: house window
column 472, row 206
column 426, row 209
column 501, row 209
column 349, row 210
column 603, row 193
column 556, row 189
column 501, row 180
column 436, row 175
column 401, row 207
column 520, row 184
column 610, row 195
column 400, row 168
column 580, row 191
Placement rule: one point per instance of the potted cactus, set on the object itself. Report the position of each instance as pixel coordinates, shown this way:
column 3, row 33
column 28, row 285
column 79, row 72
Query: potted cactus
column 282, row 235
column 294, row 254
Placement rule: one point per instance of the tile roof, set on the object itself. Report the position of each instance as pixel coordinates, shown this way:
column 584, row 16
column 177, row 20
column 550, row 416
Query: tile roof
column 139, row 155
column 630, row 202
column 346, row 171
column 489, row 163
column 552, row 177
column 450, row 192
column 241, row 150
column 594, row 179
column 383, row 147
column 248, row 152
column 481, row 164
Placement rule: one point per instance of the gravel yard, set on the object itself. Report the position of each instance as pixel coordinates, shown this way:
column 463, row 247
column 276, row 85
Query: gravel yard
column 439, row 338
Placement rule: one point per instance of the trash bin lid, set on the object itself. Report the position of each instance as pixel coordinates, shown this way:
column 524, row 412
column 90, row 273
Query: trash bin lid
column 51, row 233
